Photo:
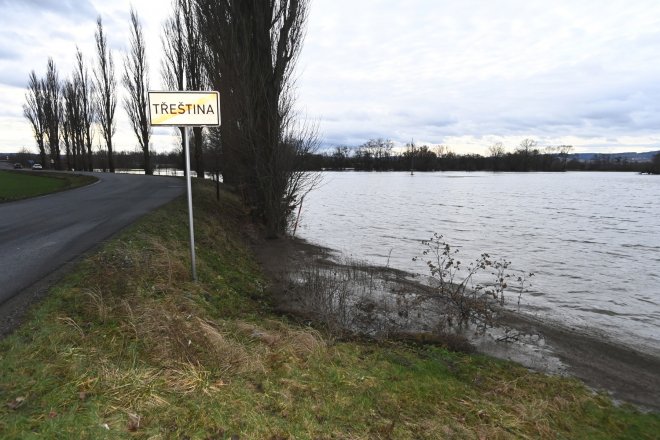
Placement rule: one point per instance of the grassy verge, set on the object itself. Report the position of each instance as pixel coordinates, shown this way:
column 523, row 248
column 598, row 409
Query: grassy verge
column 128, row 347
column 21, row 185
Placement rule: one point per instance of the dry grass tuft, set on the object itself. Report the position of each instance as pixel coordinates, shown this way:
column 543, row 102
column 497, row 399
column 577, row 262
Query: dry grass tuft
column 278, row 337
column 188, row 378
column 97, row 303
column 231, row 355
column 133, row 388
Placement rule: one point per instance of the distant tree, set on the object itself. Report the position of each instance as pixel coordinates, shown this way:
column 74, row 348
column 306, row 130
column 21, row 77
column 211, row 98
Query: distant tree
column 106, row 91
column 655, row 164
column 425, row 159
column 33, row 110
column 136, row 82
column 24, row 156
column 410, row 153
column 445, row 156
column 52, row 113
column 526, row 151
column 497, row 152
column 340, row 158
column 527, row 146
column 564, row 151
column 379, row 151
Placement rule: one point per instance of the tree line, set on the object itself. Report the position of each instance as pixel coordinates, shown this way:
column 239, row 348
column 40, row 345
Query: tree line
column 380, row 155
column 246, row 50
column 65, row 113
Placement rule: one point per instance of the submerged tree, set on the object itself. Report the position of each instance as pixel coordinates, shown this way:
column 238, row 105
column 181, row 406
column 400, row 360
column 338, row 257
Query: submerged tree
column 106, row 91
column 136, row 81
column 33, row 110
column 252, row 48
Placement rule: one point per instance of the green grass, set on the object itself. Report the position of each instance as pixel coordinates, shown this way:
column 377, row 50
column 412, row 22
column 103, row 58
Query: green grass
column 128, row 347
column 21, row 185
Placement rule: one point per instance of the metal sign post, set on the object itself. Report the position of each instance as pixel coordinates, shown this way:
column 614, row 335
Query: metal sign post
column 186, row 143
column 184, row 110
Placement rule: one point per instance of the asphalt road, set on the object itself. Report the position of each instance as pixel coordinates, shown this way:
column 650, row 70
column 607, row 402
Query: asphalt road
column 39, row 236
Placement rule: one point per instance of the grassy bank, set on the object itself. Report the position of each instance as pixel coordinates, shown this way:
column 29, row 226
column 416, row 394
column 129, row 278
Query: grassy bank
column 21, row 185
column 128, row 347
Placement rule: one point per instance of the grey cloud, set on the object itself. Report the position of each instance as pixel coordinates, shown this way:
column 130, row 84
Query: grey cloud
column 608, row 118
column 69, row 8
column 13, row 77
column 7, row 53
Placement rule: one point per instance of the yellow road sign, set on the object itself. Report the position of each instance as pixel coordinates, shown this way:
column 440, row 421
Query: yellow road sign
column 181, row 109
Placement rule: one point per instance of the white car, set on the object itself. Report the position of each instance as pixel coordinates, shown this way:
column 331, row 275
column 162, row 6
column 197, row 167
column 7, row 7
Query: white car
column 37, row 166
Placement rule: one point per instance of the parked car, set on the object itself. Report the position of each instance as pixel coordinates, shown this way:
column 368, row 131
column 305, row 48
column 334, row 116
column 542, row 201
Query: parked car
column 37, row 166
column 18, row 166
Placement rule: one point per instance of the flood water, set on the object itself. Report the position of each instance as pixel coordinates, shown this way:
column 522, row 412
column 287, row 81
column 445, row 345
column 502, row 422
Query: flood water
column 591, row 239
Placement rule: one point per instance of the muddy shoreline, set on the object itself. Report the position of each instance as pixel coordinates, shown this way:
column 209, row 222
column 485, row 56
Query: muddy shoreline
column 625, row 373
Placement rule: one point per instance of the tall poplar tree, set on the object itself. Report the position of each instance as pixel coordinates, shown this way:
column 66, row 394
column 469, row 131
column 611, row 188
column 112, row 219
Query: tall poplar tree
column 106, row 91
column 33, row 110
column 87, row 108
column 252, row 48
column 52, row 113
column 136, row 82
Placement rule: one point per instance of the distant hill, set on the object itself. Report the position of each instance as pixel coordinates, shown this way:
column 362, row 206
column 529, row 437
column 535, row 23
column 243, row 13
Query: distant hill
column 630, row 157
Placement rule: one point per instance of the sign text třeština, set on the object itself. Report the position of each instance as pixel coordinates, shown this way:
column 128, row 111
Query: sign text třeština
column 180, row 109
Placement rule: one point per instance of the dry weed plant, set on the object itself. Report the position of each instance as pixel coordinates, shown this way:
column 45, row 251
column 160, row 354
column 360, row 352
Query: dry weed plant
column 351, row 297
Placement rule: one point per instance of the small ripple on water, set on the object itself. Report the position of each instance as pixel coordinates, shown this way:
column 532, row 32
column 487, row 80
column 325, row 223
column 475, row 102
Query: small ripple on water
column 599, row 311
column 640, row 246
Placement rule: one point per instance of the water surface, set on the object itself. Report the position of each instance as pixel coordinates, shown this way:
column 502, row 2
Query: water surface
column 592, row 239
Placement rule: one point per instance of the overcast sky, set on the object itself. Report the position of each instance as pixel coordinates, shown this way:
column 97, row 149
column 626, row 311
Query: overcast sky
column 465, row 74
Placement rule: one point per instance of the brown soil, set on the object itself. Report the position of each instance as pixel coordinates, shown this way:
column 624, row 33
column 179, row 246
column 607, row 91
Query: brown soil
column 626, row 374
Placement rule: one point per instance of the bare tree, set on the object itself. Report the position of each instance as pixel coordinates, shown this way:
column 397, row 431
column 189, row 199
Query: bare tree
column 106, row 91
column 184, row 54
column 173, row 63
column 564, row 152
column 379, row 151
column 195, row 74
column 497, row 152
column 87, row 111
column 526, row 150
column 253, row 46
column 136, row 82
column 527, row 146
column 33, row 110
column 72, row 126
column 52, row 113
column 68, row 125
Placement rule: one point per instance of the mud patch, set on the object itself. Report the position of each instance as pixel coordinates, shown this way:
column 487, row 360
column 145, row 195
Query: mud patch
column 381, row 302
